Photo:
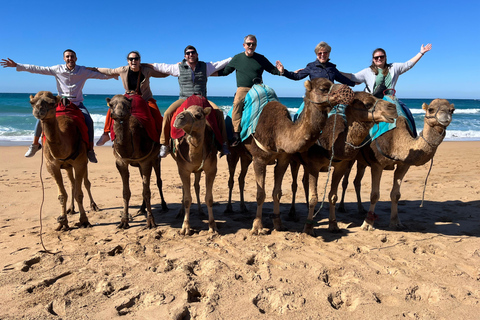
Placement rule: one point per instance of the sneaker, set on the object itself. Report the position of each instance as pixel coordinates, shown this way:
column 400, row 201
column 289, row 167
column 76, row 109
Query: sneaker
column 103, row 139
column 164, row 151
column 91, row 156
column 225, row 150
column 236, row 139
column 32, row 150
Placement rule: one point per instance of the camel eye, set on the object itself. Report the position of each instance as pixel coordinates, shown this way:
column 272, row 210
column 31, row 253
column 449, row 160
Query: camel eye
column 198, row 116
column 452, row 110
column 430, row 110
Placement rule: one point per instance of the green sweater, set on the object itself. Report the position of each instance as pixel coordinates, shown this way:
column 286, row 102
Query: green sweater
column 249, row 68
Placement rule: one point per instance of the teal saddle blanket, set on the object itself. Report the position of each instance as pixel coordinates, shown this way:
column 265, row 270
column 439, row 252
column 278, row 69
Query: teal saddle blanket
column 382, row 127
column 258, row 96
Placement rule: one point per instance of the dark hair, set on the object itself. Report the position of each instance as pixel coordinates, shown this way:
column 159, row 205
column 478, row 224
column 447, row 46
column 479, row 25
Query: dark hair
column 374, row 68
column 136, row 52
column 69, row 50
column 188, row 48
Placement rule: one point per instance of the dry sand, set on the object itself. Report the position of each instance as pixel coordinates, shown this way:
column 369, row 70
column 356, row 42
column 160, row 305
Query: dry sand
column 431, row 270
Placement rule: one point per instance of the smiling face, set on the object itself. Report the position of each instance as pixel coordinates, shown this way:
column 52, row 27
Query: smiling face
column 191, row 56
column 134, row 61
column 379, row 58
column 250, row 45
column 323, row 55
column 70, row 59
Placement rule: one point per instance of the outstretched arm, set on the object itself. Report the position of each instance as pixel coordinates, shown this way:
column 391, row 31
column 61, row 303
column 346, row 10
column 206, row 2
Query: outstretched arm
column 8, row 63
column 423, row 50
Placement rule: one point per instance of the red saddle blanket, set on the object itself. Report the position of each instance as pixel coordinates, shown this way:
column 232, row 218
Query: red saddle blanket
column 149, row 117
column 73, row 112
column 211, row 119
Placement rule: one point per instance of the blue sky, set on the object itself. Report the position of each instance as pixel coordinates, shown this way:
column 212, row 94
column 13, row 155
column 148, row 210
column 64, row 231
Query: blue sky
column 103, row 32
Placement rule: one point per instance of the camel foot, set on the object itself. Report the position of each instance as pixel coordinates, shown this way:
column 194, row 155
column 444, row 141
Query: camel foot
column 164, row 207
column 292, row 215
column 94, row 207
column 151, row 223
column 70, row 211
column 84, row 224
column 367, row 225
column 62, row 227
column 228, row 209
column 186, row 230
column 341, row 208
column 277, row 224
column 212, row 227
column 243, row 208
column 257, row 228
column 62, row 224
column 333, row 227
column 123, row 224
column 362, row 211
column 396, row 226
column 308, row 229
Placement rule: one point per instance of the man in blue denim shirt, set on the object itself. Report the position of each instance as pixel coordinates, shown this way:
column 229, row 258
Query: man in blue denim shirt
column 320, row 68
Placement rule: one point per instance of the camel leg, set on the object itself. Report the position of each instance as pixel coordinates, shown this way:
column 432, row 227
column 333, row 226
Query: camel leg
column 143, row 207
column 241, row 183
column 280, row 169
column 374, row 197
column 232, row 160
column 294, row 167
column 196, row 186
column 147, row 194
column 260, row 171
column 209, row 179
column 62, row 197
column 70, row 176
column 158, row 174
column 187, row 201
column 341, row 204
column 88, row 186
column 79, row 177
column 358, row 187
column 338, row 173
column 395, row 195
column 311, row 174
column 123, row 170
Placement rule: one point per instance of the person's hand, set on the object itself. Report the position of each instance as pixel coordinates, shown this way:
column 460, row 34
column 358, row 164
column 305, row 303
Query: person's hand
column 8, row 63
column 297, row 71
column 425, row 49
column 280, row 67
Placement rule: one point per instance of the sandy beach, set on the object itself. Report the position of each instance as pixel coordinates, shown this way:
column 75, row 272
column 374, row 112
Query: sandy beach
column 431, row 270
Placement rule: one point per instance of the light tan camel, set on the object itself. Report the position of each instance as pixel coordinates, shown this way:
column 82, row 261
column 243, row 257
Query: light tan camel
column 196, row 152
column 133, row 146
column 398, row 147
column 277, row 137
column 63, row 149
column 347, row 135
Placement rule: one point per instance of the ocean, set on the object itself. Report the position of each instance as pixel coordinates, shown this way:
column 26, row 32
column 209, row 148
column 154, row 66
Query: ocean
column 17, row 122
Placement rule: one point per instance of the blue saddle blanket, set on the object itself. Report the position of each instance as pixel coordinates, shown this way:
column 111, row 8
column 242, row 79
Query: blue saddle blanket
column 380, row 128
column 258, row 96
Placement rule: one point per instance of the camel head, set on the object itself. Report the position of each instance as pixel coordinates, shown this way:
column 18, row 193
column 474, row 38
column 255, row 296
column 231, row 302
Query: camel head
column 438, row 113
column 120, row 106
column 44, row 105
column 192, row 119
column 325, row 95
column 367, row 108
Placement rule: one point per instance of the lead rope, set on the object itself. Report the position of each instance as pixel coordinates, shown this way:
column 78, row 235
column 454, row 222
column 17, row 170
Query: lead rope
column 41, row 206
column 329, row 165
column 425, row 184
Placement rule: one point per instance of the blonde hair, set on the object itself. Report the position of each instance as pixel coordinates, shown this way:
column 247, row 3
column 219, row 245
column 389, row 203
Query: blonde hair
column 322, row 45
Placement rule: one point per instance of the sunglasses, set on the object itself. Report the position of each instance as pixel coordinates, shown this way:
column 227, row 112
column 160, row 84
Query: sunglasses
column 133, row 59
column 250, row 44
column 378, row 57
column 188, row 53
column 323, row 53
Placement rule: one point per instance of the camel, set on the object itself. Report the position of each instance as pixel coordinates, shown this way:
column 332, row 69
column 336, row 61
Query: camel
column 398, row 147
column 277, row 138
column 196, row 152
column 347, row 137
column 63, row 149
column 133, row 146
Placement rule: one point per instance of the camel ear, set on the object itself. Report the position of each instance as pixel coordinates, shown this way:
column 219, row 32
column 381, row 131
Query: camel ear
column 57, row 99
column 308, row 85
column 31, row 98
column 424, row 106
column 108, row 101
column 207, row 110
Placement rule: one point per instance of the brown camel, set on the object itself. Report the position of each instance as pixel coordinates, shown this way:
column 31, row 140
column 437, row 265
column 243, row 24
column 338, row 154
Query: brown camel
column 398, row 147
column 277, row 138
column 133, row 146
column 196, row 152
column 347, row 137
column 63, row 149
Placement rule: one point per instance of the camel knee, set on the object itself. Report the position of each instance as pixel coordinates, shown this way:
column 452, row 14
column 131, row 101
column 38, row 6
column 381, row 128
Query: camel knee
column 277, row 195
column 333, row 198
column 260, row 196
column 374, row 197
column 395, row 196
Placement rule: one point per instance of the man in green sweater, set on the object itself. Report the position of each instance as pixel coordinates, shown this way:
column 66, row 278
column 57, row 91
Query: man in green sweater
column 249, row 67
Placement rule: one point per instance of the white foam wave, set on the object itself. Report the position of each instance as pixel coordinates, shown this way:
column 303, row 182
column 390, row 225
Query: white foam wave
column 457, row 111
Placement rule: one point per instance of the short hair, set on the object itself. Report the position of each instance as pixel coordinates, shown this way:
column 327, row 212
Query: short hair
column 323, row 45
column 69, row 50
column 136, row 52
column 250, row 36
column 188, row 48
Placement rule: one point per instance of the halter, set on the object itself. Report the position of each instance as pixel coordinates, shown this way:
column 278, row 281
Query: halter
column 372, row 110
column 327, row 100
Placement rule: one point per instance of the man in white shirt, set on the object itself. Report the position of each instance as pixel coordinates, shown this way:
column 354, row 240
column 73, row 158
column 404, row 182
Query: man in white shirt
column 70, row 80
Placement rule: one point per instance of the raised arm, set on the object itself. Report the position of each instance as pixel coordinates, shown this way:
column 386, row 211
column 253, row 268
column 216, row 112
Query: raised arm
column 8, row 63
column 418, row 56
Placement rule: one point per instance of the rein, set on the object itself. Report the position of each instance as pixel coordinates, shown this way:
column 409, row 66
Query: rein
column 371, row 136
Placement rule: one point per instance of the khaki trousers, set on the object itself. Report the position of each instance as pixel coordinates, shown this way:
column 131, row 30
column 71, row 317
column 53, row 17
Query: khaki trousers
column 238, row 104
